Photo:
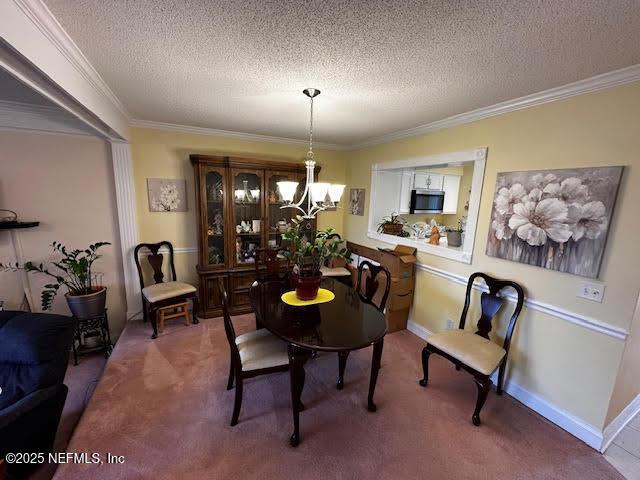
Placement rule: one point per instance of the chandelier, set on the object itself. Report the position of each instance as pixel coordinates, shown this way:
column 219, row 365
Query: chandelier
column 318, row 196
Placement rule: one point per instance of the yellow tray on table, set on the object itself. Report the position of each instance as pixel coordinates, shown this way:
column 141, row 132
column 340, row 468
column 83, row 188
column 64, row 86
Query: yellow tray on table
column 324, row 296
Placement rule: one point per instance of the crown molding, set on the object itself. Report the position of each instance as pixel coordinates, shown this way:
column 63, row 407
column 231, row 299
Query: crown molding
column 44, row 20
column 253, row 137
column 38, row 13
column 40, row 118
column 581, row 87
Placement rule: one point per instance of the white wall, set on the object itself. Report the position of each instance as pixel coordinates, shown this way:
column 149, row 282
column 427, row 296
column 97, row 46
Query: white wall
column 65, row 182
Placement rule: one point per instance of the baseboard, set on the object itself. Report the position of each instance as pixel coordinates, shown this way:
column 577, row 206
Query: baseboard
column 565, row 420
column 624, row 417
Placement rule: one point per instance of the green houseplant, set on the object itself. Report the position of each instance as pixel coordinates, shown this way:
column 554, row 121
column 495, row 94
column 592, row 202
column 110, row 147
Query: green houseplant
column 308, row 256
column 454, row 235
column 73, row 271
column 391, row 225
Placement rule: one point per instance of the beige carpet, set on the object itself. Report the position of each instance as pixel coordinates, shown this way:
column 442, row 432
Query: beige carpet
column 163, row 405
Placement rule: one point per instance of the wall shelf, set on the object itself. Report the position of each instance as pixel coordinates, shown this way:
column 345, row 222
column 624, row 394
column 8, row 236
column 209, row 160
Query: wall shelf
column 17, row 225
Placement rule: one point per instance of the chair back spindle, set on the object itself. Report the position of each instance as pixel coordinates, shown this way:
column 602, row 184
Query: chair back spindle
column 228, row 324
column 368, row 289
column 156, row 260
column 491, row 302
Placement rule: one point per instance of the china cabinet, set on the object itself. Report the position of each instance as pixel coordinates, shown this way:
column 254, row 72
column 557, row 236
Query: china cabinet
column 238, row 212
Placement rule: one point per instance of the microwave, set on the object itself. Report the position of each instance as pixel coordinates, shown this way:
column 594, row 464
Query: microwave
column 426, row 201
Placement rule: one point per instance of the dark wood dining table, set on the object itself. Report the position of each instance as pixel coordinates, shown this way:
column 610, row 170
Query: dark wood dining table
column 341, row 325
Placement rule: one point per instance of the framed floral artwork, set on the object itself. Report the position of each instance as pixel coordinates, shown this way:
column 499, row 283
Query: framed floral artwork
column 555, row 219
column 356, row 201
column 167, row 194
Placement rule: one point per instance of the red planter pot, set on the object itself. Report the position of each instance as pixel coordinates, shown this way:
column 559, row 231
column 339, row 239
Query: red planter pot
column 307, row 287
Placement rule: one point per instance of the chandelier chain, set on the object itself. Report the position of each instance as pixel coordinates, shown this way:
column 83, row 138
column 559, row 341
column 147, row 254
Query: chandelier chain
column 310, row 152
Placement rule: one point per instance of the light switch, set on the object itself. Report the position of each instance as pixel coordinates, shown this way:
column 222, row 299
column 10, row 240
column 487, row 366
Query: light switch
column 591, row 291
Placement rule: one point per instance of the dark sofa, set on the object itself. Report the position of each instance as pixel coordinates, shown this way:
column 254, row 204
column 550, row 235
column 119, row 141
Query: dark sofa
column 34, row 351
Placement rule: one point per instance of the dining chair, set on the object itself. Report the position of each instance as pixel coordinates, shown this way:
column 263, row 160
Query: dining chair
column 271, row 264
column 475, row 352
column 162, row 295
column 252, row 354
column 371, row 289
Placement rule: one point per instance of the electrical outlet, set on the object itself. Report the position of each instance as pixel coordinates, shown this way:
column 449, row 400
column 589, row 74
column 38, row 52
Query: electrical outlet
column 591, row 291
column 450, row 324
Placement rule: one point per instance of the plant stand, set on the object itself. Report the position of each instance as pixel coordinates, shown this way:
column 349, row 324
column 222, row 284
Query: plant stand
column 97, row 326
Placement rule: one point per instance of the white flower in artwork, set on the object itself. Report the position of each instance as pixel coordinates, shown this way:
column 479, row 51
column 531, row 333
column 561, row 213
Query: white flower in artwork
column 588, row 220
column 501, row 228
column 539, row 180
column 570, row 190
column 168, row 200
column 534, row 222
column 507, row 197
column 535, row 195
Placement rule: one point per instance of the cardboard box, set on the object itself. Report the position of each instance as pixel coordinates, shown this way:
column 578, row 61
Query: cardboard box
column 397, row 319
column 399, row 261
column 400, row 294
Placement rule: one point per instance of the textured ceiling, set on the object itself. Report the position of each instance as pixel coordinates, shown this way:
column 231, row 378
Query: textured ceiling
column 382, row 66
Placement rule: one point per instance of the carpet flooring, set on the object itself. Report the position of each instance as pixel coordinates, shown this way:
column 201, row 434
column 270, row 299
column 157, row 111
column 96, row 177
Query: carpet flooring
column 81, row 380
column 163, row 406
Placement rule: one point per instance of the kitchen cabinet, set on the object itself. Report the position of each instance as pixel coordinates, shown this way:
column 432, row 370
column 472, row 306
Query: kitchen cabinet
column 428, row 181
column 451, row 188
column 406, row 186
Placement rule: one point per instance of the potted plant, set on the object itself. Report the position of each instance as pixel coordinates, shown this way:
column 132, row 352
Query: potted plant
column 84, row 297
column 309, row 256
column 454, row 235
column 391, row 225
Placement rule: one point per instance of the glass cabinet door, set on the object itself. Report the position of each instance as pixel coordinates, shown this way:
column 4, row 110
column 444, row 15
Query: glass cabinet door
column 279, row 219
column 214, row 190
column 247, row 214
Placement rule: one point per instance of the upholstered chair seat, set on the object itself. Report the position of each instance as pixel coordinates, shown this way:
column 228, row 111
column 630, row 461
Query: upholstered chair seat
column 334, row 272
column 477, row 352
column 162, row 291
column 261, row 349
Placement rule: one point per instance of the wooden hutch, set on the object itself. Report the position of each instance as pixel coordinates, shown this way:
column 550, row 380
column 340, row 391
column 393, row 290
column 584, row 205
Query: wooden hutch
column 238, row 211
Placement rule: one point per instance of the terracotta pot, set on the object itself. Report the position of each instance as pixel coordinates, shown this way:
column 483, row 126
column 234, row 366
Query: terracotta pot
column 307, row 287
column 88, row 306
column 392, row 228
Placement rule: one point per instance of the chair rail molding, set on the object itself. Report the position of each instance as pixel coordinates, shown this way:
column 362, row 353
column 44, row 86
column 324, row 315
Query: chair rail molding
column 127, row 221
column 577, row 427
column 553, row 310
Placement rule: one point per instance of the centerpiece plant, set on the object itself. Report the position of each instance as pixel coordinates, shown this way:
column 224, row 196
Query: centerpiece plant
column 309, row 255
column 74, row 271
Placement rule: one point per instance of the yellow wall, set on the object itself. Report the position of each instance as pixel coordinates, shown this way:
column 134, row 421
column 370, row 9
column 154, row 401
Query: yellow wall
column 564, row 363
column 65, row 182
column 163, row 154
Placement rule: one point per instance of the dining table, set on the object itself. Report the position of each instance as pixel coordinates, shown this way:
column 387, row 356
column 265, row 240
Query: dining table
column 346, row 323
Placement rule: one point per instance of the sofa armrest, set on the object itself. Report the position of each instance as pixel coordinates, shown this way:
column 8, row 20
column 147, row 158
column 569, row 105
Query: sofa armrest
column 23, row 420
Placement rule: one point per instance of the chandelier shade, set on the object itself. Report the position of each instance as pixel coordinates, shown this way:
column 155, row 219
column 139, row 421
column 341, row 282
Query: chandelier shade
column 287, row 190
